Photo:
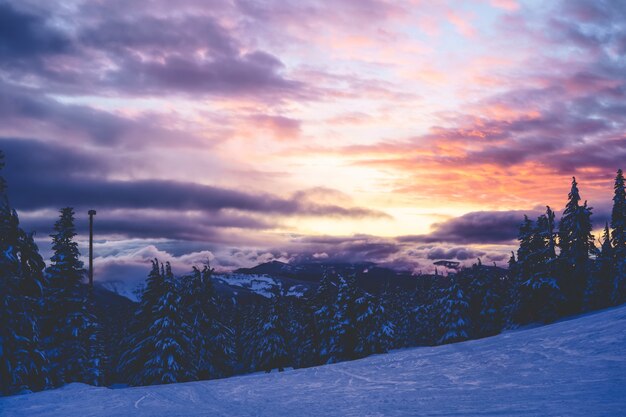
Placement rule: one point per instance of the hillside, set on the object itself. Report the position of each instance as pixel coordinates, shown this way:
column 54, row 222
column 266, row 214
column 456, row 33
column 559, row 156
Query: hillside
column 575, row 368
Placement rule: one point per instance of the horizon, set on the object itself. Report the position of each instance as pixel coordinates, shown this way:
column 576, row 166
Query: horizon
column 245, row 132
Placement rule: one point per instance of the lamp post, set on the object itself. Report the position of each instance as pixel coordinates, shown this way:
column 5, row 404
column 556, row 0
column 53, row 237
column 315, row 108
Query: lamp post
column 91, row 214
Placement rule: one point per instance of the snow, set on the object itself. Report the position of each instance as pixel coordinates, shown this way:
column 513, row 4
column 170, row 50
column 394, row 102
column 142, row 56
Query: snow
column 575, row 367
column 263, row 285
column 260, row 284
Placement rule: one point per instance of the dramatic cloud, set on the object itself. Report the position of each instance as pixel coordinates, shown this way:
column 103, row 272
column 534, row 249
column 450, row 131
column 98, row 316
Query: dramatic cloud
column 24, row 35
column 484, row 227
column 395, row 132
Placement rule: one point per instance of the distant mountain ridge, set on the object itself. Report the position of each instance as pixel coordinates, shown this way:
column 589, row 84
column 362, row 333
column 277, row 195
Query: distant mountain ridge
column 297, row 279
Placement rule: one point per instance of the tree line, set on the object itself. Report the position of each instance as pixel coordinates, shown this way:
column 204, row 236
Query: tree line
column 183, row 329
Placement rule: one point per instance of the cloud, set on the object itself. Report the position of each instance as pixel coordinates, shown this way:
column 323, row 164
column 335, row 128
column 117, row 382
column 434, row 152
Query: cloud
column 134, row 53
column 59, row 176
column 479, row 227
column 460, row 253
column 25, row 35
column 248, row 73
column 29, row 111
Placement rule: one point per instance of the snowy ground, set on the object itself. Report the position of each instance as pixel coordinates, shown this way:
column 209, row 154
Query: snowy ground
column 263, row 285
column 572, row 368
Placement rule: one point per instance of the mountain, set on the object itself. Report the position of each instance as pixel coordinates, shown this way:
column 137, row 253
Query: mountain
column 297, row 279
column 369, row 276
column 576, row 367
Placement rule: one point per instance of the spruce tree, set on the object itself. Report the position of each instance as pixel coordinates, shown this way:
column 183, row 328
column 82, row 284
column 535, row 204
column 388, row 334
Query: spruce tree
column 324, row 311
column 137, row 345
column 576, row 244
column 22, row 361
column 70, row 326
column 490, row 317
column 345, row 331
column 169, row 339
column 454, row 322
column 212, row 341
column 271, row 341
column 300, row 329
column 375, row 328
column 599, row 284
column 618, row 239
column 540, row 296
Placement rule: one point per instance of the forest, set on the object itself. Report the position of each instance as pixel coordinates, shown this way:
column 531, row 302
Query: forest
column 54, row 328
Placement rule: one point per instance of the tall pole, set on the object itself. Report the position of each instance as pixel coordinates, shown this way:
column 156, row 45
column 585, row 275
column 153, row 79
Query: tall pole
column 91, row 214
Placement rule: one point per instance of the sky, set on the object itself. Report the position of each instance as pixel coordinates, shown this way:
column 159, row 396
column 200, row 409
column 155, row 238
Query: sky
column 354, row 130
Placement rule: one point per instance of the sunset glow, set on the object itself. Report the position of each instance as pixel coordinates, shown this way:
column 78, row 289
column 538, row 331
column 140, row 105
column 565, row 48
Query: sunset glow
column 246, row 131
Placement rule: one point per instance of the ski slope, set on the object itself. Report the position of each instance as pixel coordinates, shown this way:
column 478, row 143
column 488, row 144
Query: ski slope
column 572, row 368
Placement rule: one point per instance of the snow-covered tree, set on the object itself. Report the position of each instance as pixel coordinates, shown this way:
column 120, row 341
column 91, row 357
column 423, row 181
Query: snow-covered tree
column 70, row 325
column 169, row 339
column 375, row 328
column 22, row 361
column 271, row 341
column 97, row 363
column 454, row 322
column 618, row 239
column 539, row 292
column 576, row 244
column 212, row 341
column 300, row 320
column 491, row 318
column 599, row 282
column 345, row 331
column 399, row 309
column 324, row 312
column 136, row 349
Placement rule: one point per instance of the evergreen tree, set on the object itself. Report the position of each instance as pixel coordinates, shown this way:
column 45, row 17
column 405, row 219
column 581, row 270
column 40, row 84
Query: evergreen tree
column 324, row 312
column 345, row 331
column 272, row 345
column 539, row 293
column 454, row 322
column 599, row 284
column 399, row 308
column 70, row 326
column 375, row 328
column 138, row 348
column 425, row 322
column 251, row 324
column 490, row 320
column 22, row 361
column 618, row 239
column 576, row 244
column 169, row 339
column 212, row 341
column 97, row 363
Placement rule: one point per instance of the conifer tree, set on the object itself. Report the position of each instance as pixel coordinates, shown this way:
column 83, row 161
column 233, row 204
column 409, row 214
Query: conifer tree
column 70, row 326
column 301, row 332
column 618, row 239
column 324, row 311
column 345, row 329
column 169, row 339
column 576, row 244
column 376, row 330
column 455, row 318
column 22, row 361
column 599, row 284
column 491, row 318
column 540, row 296
column 272, row 344
column 138, row 349
column 212, row 341
column 399, row 307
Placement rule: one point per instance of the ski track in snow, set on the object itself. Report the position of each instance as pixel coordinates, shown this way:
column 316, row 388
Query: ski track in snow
column 575, row 367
